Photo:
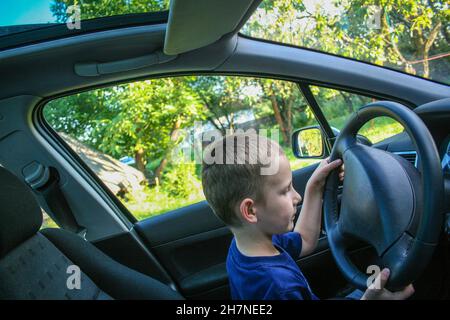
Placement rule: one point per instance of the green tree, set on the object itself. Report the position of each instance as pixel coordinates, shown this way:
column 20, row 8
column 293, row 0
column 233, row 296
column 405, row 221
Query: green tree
column 281, row 21
column 90, row 9
column 409, row 34
column 223, row 97
column 141, row 118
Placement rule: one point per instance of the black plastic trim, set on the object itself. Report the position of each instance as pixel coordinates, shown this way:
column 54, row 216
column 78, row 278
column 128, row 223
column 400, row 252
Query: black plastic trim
column 78, row 164
column 338, row 56
column 309, row 97
column 60, row 30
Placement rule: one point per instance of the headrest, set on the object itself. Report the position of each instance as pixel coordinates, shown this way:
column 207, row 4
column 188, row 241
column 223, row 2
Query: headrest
column 20, row 214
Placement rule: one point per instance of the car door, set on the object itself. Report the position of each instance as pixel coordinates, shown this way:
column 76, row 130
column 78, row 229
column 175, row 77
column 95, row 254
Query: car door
column 188, row 242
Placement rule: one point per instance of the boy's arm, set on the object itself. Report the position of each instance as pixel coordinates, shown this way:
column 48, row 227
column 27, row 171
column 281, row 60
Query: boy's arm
column 309, row 221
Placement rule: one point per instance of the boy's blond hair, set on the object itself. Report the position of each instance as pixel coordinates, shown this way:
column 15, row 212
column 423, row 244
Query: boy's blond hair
column 235, row 173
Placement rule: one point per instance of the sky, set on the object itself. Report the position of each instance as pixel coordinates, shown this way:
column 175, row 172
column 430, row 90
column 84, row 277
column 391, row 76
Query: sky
column 16, row 12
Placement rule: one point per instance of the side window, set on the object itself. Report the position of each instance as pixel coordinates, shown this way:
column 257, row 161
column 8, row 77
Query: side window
column 47, row 221
column 143, row 139
column 338, row 105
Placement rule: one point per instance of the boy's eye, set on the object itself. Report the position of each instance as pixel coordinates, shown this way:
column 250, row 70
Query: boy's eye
column 287, row 189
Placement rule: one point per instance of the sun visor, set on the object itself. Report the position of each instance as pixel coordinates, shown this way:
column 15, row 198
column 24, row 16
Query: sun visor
column 197, row 23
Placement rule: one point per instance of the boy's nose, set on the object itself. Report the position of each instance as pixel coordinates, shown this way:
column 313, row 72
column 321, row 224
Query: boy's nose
column 297, row 198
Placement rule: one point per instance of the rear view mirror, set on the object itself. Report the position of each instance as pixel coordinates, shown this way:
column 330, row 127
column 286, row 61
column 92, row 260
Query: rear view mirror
column 308, row 143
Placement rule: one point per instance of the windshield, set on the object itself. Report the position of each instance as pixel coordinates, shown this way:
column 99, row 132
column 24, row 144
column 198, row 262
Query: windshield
column 18, row 16
column 411, row 36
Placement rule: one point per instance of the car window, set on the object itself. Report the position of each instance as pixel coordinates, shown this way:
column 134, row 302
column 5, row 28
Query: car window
column 47, row 221
column 405, row 35
column 144, row 139
column 24, row 16
column 338, row 105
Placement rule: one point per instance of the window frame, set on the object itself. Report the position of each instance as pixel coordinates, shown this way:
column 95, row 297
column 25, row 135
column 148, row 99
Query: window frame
column 330, row 137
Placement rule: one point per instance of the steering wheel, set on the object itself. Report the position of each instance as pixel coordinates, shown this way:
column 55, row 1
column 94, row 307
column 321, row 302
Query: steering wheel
column 386, row 202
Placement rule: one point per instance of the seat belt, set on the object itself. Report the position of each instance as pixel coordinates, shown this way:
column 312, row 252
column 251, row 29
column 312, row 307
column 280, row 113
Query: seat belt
column 45, row 183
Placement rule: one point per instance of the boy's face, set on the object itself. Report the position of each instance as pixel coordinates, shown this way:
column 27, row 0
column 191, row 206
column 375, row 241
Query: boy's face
column 276, row 214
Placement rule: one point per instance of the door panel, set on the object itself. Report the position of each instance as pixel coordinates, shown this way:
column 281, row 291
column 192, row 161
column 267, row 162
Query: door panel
column 192, row 244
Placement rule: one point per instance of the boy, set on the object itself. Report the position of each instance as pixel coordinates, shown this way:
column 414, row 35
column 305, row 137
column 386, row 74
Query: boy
column 259, row 208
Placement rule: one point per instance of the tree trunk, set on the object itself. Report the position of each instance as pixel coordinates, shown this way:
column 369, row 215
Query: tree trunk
column 221, row 128
column 158, row 172
column 427, row 47
column 348, row 101
column 231, row 123
column 140, row 160
column 385, row 30
column 289, row 117
column 278, row 118
column 268, row 90
column 216, row 118
column 173, row 137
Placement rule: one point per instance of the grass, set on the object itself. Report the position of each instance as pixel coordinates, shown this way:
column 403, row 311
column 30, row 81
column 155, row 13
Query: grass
column 380, row 128
column 375, row 130
column 158, row 201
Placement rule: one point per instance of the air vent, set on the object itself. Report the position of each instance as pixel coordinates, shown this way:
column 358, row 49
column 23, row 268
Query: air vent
column 411, row 156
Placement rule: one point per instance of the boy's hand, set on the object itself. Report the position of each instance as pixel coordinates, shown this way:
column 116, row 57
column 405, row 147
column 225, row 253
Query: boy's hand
column 318, row 178
column 372, row 293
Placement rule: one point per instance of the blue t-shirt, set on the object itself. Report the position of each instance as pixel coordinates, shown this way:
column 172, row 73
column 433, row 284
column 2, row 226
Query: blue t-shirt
column 269, row 278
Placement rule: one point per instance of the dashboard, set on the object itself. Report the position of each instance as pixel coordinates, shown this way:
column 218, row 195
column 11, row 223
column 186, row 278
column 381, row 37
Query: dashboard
column 436, row 116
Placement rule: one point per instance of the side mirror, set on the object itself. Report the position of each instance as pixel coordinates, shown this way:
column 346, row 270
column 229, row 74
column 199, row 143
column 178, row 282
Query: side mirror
column 308, row 143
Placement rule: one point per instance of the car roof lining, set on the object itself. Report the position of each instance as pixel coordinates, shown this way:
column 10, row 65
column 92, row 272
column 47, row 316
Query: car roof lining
column 48, row 69
column 195, row 24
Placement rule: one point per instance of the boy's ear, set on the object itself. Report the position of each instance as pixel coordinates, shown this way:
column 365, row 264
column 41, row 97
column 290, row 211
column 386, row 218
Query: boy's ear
column 248, row 211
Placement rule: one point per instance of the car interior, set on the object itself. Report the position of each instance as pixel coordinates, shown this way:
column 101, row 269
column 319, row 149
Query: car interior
column 181, row 254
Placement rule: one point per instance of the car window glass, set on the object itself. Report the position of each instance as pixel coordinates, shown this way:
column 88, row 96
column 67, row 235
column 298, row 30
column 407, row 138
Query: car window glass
column 338, row 105
column 143, row 139
column 405, row 35
column 47, row 221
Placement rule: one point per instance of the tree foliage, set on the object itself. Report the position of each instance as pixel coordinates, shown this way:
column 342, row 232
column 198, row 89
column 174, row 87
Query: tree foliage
column 402, row 34
column 90, row 9
column 139, row 119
